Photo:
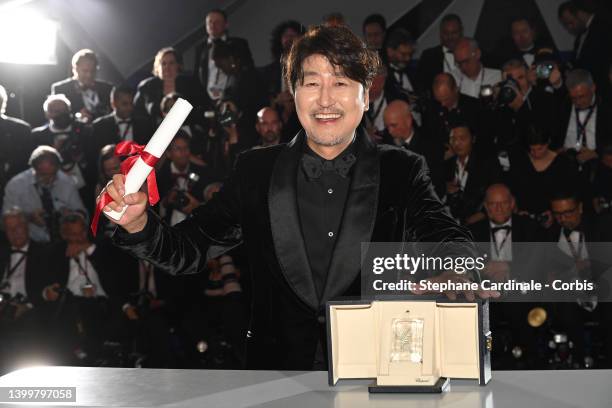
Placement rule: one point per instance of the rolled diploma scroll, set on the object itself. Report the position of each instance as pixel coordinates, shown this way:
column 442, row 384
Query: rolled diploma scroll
column 157, row 146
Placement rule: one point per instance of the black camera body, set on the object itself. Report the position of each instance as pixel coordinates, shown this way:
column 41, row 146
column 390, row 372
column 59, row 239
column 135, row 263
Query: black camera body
column 181, row 197
column 499, row 95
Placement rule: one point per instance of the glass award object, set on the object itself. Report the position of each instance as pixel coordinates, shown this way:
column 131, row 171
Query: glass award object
column 407, row 340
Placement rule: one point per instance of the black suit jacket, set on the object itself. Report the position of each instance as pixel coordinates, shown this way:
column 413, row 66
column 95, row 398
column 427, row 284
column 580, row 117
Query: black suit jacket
column 596, row 52
column 37, row 272
column 390, row 199
column 106, row 130
column 430, row 64
column 70, row 88
column 150, row 93
column 200, row 70
column 603, row 124
column 17, row 145
column 437, row 121
column 271, row 76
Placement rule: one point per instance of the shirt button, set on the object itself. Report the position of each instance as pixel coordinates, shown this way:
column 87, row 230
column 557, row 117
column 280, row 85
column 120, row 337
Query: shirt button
column 330, row 191
column 330, row 234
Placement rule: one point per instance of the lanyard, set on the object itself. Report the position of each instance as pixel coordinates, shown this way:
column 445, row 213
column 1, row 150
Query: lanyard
column 82, row 271
column 501, row 246
column 461, row 173
column 11, row 269
column 581, row 127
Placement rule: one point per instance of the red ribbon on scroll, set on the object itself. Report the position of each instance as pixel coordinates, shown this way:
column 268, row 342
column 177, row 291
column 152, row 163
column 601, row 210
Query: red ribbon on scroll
column 134, row 151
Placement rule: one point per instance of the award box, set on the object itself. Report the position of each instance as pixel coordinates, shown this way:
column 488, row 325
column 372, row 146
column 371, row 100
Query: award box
column 414, row 345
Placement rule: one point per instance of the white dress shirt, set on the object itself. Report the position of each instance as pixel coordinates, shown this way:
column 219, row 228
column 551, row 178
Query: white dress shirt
column 449, row 62
column 501, row 242
column 577, row 242
column 378, row 107
column 471, row 87
column 571, row 136
column 125, row 128
column 217, row 80
column 77, row 277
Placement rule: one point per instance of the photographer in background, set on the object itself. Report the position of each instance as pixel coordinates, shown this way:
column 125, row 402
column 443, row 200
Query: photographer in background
column 602, row 191
column 44, row 193
column 473, row 75
column 468, row 174
column 585, row 121
column 89, row 97
column 181, row 183
column 74, row 142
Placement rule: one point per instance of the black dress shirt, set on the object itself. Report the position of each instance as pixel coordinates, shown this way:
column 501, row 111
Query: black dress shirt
column 321, row 205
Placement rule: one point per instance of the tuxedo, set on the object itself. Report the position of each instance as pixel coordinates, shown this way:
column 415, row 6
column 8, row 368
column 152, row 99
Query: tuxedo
column 106, row 130
column 70, row 87
column 202, row 51
column 525, row 260
column 402, row 79
column 37, row 273
column 272, row 78
column 438, row 120
column 390, row 198
column 150, row 92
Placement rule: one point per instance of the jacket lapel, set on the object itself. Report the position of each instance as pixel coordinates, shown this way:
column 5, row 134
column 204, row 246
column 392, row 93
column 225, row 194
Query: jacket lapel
column 285, row 223
column 358, row 220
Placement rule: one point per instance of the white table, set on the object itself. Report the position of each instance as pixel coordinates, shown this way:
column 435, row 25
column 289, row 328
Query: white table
column 135, row 387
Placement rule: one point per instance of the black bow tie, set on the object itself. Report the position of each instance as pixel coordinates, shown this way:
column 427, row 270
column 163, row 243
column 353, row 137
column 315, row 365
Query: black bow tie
column 314, row 166
column 567, row 232
column 506, row 228
column 18, row 251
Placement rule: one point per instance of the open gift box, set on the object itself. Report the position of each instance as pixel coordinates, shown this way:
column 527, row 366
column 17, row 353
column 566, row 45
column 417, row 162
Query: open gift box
column 408, row 345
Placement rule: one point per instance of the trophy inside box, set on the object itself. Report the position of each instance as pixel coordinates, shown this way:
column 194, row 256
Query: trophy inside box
column 408, row 346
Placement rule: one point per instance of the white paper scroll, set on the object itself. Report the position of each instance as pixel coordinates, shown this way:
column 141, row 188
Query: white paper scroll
column 157, row 146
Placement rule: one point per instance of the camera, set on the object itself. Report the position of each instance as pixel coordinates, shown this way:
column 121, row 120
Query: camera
column 222, row 115
column 605, row 204
column 500, row 94
column 181, row 198
column 543, row 70
column 541, row 218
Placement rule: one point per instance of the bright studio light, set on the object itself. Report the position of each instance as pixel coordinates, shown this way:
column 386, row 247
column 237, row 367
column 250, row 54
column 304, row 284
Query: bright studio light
column 28, row 38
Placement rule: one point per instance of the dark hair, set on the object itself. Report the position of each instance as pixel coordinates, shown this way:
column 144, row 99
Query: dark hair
column 526, row 19
column 568, row 6
column 399, row 36
column 121, row 90
column 341, row 47
column 537, row 136
column 106, row 153
column 450, row 18
column 172, row 96
column 276, row 47
column 218, row 11
column 374, row 19
column 181, row 134
column 334, row 19
column 564, row 194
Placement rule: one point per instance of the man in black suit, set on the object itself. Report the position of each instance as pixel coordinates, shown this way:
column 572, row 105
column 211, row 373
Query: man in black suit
column 181, row 183
column 383, row 91
column 74, row 142
column 303, row 209
column 467, row 174
column 121, row 124
column 585, row 121
column 211, row 78
column 399, row 47
column 525, row 43
column 500, row 230
column 15, row 141
column 374, row 28
column 88, row 96
column 440, row 58
column 23, row 272
column 399, row 131
column 85, row 288
column 593, row 42
column 450, row 107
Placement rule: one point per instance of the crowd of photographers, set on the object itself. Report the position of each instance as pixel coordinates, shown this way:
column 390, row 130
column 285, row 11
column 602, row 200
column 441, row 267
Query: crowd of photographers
column 518, row 141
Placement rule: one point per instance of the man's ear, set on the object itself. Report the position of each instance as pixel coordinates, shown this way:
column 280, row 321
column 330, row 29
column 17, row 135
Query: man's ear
column 366, row 98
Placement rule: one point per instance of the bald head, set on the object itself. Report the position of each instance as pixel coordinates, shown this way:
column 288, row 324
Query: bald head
column 445, row 90
column 269, row 126
column 467, row 57
column 398, row 120
column 499, row 203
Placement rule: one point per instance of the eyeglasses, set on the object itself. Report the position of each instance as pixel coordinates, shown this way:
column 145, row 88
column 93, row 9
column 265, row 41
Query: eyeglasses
column 565, row 213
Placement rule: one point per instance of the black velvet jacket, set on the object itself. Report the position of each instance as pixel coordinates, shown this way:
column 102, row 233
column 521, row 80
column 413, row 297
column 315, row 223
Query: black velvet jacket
column 390, row 198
